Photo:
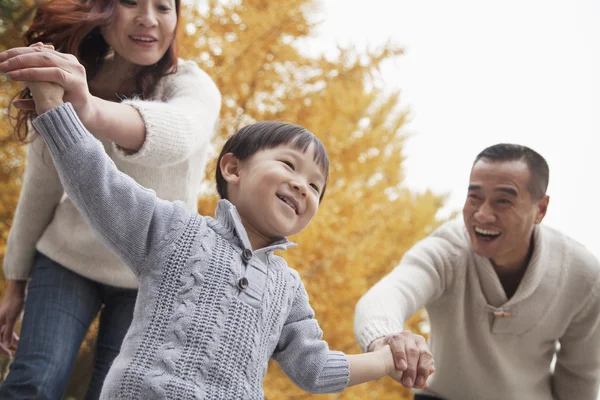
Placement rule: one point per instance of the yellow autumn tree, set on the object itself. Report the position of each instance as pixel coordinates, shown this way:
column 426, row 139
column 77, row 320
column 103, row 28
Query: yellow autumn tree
column 367, row 219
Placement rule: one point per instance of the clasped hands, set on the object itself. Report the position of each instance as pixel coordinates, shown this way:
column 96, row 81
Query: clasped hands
column 413, row 360
column 49, row 75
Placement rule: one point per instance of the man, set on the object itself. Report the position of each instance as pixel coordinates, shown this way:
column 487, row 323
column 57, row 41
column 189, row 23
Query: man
column 504, row 294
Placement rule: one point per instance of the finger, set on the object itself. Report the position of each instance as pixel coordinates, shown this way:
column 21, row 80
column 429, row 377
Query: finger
column 15, row 340
column 425, row 362
column 4, row 336
column 412, row 360
column 7, row 332
column 46, row 58
column 397, row 345
column 425, row 383
column 24, row 104
column 4, row 350
column 18, row 51
column 46, row 46
column 49, row 74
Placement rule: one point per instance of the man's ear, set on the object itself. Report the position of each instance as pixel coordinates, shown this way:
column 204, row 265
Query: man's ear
column 542, row 208
column 230, row 168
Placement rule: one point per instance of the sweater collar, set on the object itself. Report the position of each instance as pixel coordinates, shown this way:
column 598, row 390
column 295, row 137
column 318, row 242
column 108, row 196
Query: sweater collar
column 231, row 228
column 538, row 266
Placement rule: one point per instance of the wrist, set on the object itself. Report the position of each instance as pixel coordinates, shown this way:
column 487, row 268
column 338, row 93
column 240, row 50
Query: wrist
column 43, row 105
column 376, row 344
column 89, row 114
column 386, row 352
column 15, row 287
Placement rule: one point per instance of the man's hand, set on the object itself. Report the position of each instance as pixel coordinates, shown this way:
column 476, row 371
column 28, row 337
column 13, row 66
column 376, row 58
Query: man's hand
column 412, row 358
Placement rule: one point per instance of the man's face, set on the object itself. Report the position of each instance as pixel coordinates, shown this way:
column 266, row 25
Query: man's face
column 500, row 212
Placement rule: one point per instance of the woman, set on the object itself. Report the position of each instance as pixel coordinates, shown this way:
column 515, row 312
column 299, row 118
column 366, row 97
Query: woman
column 107, row 50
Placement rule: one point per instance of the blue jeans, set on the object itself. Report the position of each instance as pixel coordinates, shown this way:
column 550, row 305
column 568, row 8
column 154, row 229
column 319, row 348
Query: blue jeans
column 59, row 308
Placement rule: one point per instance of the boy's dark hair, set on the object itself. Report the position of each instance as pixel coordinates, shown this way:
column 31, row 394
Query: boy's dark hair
column 538, row 167
column 267, row 135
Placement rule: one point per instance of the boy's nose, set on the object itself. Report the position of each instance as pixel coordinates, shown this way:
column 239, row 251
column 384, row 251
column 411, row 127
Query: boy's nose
column 300, row 188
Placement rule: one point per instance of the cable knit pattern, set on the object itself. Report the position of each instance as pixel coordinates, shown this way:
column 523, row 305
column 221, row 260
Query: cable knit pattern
column 180, row 118
column 479, row 355
column 210, row 311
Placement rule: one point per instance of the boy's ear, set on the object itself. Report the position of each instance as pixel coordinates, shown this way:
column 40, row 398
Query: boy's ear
column 230, row 168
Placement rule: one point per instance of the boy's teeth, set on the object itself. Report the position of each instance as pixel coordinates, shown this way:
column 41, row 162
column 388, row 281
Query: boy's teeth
column 288, row 202
column 486, row 231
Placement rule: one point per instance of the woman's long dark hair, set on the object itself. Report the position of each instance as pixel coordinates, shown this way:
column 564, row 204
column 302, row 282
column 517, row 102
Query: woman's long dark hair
column 73, row 26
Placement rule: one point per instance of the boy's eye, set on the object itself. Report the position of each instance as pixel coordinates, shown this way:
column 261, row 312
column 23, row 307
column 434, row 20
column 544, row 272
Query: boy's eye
column 312, row 185
column 128, row 2
column 289, row 164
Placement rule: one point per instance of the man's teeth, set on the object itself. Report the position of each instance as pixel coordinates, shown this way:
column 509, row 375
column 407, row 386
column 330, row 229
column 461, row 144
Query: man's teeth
column 142, row 39
column 486, row 232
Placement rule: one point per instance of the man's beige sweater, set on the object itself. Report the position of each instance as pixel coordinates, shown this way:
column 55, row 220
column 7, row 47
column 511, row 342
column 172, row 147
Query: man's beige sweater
column 479, row 356
column 180, row 120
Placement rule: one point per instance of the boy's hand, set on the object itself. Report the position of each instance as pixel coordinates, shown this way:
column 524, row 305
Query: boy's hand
column 46, row 95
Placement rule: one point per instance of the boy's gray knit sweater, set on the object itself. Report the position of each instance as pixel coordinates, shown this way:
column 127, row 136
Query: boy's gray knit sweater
column 210, row 311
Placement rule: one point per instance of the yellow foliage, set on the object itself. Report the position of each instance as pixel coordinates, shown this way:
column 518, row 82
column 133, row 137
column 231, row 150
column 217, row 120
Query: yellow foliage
column 367, row 219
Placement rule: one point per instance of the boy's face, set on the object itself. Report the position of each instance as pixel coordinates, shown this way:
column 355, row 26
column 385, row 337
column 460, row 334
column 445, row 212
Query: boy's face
column 276, row 191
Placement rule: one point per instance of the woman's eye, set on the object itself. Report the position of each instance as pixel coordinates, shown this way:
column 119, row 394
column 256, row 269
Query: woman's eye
column 128, row 2
column 164, row 8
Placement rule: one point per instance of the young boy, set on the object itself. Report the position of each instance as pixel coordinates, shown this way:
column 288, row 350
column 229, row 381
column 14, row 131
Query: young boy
column 214, row 302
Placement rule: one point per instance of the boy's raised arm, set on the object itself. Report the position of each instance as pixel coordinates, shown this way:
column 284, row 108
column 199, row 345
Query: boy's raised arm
column 128, row 218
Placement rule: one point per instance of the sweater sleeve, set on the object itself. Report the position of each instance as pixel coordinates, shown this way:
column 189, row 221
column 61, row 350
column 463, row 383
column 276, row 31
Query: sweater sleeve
column 577, row 371
column 304, row 356
column 420, row 278
column 40, row 194
column 128, row 218
column 178, row 123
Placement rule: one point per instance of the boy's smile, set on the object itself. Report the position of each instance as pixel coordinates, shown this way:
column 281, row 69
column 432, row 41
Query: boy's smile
column 276, row 191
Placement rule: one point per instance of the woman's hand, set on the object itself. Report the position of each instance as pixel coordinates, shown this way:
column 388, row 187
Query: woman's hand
column 38, row 63
column 10, row 310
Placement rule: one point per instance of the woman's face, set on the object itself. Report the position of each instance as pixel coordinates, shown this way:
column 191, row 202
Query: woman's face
column 142, row 30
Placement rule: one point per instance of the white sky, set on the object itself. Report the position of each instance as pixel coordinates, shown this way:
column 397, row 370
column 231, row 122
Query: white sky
column 478, row 73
